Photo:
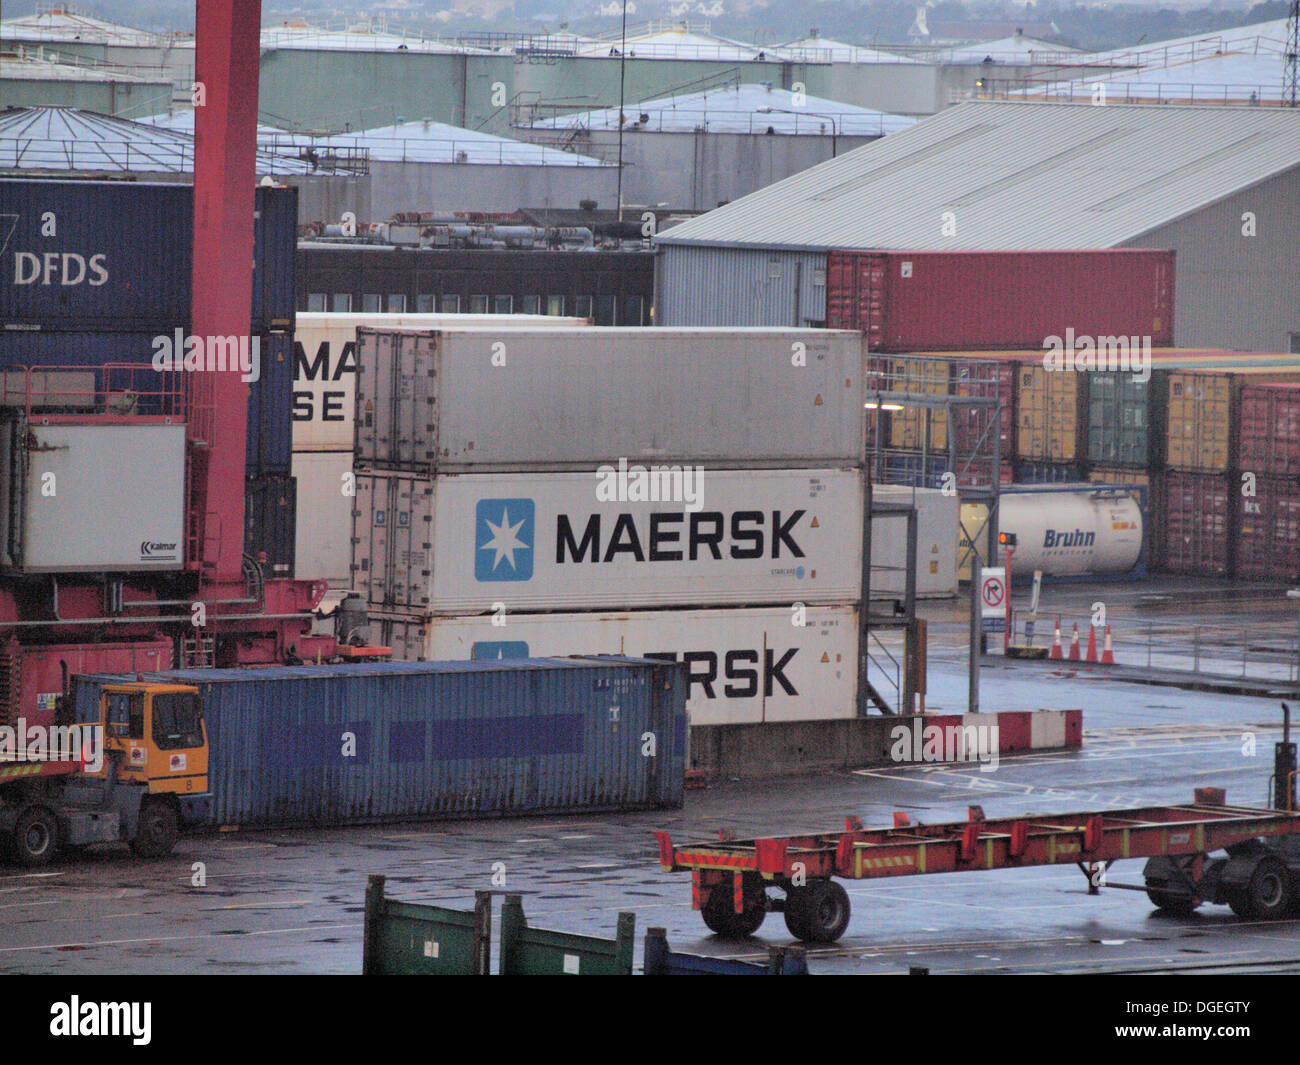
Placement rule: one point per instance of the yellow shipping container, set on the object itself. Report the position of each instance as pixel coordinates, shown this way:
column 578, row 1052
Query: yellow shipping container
column 907, row 427
column 1119, row 475
column 972, row 519
column 1199, row 433
column 1047, row 408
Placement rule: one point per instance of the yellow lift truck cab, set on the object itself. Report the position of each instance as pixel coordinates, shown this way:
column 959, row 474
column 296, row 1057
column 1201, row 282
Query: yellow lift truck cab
column 151, row 778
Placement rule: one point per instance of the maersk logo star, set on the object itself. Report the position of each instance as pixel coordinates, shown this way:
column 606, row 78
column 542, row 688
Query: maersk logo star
column 504, row 540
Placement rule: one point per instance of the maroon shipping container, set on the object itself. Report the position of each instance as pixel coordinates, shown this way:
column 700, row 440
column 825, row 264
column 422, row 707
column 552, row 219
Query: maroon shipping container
column 1268, row 543
column 970, row 300
column 970, row 423
column 1269, row 440
column 1195, row 513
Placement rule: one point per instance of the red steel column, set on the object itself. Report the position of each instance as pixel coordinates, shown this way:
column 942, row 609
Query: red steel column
column 227, row 46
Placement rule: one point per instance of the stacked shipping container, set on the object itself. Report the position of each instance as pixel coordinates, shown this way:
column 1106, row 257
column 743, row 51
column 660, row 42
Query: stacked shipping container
column 685, row 494
column 98, row 273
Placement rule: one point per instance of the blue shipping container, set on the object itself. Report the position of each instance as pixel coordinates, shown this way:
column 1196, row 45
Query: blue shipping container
column 81, row 255
column 1030, row 472
column 434, row 739
column 915, row 470
column 270, row 398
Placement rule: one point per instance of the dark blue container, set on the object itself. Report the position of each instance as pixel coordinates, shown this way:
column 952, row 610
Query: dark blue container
column 115, row 256
column 332, row 745
column 270, row 409
column 270, row 523
column 269, row 448
column 916, row 470
column 1030, row 472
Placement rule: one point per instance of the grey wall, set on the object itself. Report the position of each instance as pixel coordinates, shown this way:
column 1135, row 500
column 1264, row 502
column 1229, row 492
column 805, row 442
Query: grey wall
column 728, row 286
column 697, row 171
column 393, row 187
column 899, row 88
column 1233, row 291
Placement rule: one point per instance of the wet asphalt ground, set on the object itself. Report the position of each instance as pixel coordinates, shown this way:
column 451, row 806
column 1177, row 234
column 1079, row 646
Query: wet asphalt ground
column 292, row 901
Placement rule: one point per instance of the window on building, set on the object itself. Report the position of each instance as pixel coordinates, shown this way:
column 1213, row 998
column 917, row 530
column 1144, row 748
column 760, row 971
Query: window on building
column 531, row 305
column 633, row 308
column 341, row 303
column 478, row 304
column 582, row 306
column 424, row 303
column 502, row 304
column 604, row 310
column 370, row 303
column 555, row 305
column 451, row 304
column 1295, row 344
column 397, row 302
column 317, row 302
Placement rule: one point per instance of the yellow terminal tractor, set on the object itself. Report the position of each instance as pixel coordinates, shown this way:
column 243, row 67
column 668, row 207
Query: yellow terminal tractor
column 140, row 772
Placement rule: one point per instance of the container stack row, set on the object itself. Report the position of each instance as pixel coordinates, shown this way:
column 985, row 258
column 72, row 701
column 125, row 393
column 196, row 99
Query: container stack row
column 694, row 495
column 98, row 277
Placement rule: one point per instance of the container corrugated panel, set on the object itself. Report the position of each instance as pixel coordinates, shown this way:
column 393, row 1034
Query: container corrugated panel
column 270, row 522
column 1118, row 475
column 970, row 422
column 1028, row 472
column 699, row 286
column 935, row 301
column 269, row 449
column 1120, row 408
column 1268, row 540
column 1196, row 523
column 1199, row 421
column 1269, row 436
column 476, row 400
column 908, row 427
column 435, row 739
column 86, row 255
column 1048, row 409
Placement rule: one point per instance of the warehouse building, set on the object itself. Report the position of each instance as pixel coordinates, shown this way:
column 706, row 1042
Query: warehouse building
column 1218, row 185
column 701, row 149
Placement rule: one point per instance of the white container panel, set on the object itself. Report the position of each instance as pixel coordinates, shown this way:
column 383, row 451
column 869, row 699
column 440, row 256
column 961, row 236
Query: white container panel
column 936, row 531
column 458, row 544
column 488, row 400
column 100, row 497
column 323, row 549
column 325, row 365
column 745, row 666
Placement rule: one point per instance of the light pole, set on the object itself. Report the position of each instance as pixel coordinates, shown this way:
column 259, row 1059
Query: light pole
column 765, row 109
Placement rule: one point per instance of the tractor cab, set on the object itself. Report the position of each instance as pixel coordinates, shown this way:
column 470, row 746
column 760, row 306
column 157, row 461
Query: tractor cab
column 153, row 733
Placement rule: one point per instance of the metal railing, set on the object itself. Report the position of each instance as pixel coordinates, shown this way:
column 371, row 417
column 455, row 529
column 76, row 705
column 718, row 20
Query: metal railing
column 884, row 669
column 722, row 120
column 1140, row 92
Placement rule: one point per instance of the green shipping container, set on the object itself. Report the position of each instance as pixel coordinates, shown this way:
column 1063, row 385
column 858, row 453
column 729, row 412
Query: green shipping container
column 1118, row 420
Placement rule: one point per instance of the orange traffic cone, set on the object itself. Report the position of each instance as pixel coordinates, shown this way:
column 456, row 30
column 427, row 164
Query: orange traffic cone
column 1056, row 642
column 1107, row 655
column 1091, row 656
column 1074, row 644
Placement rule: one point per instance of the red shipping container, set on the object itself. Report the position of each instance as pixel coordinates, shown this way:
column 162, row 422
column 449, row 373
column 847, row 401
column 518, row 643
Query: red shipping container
column 969, row 300
column 1268, row 544
column 1269, row 439
column 1195, row 511
column 971, row 422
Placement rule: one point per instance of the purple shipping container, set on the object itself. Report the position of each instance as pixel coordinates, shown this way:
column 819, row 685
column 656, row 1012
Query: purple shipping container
column 1269, row 440
column 1268, row 543
column 1195, row 523
column 971, row 300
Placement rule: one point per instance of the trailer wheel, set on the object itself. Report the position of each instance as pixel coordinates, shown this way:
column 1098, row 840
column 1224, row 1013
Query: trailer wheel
column 1178, row 905
column 36, row 837
column 720, row 914
column 818, row 912
column 1268, row 895
column 157, row 830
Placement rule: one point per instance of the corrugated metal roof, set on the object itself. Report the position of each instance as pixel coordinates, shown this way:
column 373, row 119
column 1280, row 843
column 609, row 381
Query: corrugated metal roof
column 66, row 138
column 739, row 109
column 1014, row 176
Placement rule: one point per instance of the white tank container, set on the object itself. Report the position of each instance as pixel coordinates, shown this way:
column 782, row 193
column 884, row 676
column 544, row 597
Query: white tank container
column 1075, row 530
column 745, row 666
column 458, row 544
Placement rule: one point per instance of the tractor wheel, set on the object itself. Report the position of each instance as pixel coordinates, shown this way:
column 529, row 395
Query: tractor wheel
column 157, row 830
column 720, row 914
column 818, row 912
column 36, row 837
